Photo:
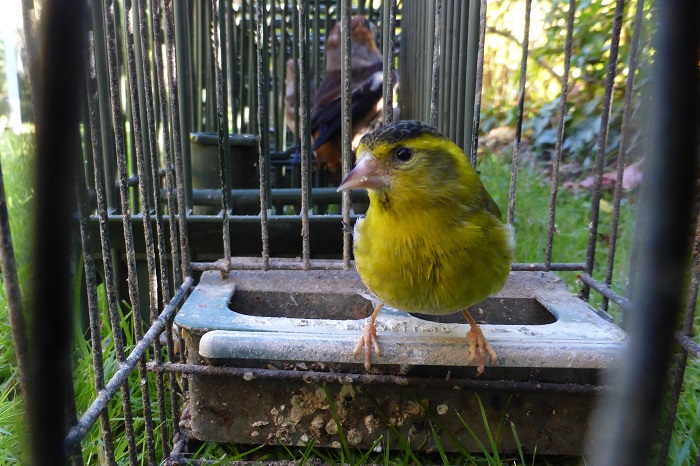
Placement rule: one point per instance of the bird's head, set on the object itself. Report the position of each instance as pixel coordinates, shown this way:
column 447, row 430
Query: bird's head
column 364, row 50
column 411, row 162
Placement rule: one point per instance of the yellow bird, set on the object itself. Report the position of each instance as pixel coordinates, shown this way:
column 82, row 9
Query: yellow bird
column 432, row 240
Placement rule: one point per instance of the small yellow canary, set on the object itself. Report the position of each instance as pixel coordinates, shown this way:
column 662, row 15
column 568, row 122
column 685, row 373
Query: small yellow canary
column 432, row 240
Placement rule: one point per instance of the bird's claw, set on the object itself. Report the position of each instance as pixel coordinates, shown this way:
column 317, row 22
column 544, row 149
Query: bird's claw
column 367, row 341
column 479, row 348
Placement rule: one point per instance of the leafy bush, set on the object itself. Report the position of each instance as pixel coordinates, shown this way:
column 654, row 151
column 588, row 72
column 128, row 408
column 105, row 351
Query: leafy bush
column 589, row 64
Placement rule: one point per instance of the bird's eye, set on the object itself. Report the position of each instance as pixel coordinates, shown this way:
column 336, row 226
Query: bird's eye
column 404, row 154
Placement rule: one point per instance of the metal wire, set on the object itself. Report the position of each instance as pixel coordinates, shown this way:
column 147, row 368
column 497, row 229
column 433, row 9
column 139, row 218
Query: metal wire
column 346, row 113
column 687, row 345
column 13, row 292
column 58, row 147
column 603, row 141
column 110, row 281
column 624, row 143
column 304, row 133
column 132, row 274
column 479, row 84
column 561, row 118
column 626, row 419
column 519, row 119
column 241, row 263
column 607, row 293
column 240, row 39
column 459, row 58
column 77, row 432
column 219, row 45
column 160, row 73
column 435, row 75
column 264, row 146
column 181, row 95
column 175, row 74
column 153, row 162
column 383, row 379
column 389, row 44
column 446, row 65
column 88, row 257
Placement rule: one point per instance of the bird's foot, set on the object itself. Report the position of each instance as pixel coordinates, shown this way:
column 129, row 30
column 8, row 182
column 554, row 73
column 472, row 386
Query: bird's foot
column 479, row 348
column 367, row 341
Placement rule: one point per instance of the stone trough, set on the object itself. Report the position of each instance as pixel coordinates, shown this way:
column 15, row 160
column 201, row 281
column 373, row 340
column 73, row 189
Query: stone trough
column 292, row 333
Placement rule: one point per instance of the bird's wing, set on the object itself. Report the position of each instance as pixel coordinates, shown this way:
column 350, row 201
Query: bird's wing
column 326, row 113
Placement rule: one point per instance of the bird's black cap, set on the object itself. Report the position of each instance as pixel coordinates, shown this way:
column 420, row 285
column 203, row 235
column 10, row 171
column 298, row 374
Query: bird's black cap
column 398, row 131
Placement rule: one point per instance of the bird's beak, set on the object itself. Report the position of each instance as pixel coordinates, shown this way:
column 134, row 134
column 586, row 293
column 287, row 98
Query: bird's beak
column 366, row 174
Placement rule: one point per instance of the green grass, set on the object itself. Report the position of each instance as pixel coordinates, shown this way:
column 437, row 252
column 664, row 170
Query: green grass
column 16, row 154
column 570, row 240
column 530, row 225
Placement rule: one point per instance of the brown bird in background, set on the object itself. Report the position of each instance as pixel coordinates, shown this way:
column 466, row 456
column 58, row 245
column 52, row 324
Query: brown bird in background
column 367, row 98
column 290, row 109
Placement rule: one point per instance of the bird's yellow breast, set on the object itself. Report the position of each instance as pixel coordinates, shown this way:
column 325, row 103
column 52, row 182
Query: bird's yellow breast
column 427, row 261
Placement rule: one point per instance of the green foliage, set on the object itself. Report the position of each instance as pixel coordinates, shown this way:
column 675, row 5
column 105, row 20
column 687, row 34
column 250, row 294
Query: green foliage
column 589, row 64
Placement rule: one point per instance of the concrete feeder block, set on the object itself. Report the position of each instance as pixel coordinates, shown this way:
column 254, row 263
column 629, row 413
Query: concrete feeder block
column 551, row 347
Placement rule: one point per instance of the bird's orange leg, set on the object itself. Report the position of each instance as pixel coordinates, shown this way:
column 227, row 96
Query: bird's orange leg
column 478, row 346
column 369, row 337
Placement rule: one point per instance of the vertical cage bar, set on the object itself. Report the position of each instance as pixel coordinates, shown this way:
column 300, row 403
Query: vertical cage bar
column 460, row 61
column 295, row 57
column 435, row 76
column 181, row 84
column 208, row 67
column 198, row 24
column 346, row 112
column 233, row 65
column 132, row 274
column 160, row 72
column 389, row 44
column 153, row 162
column 243, row 64
column 12, row 292
column 100, row 57
column 252, row 74
column 263, row 141
column 561, row 118
column 317, row 54
column 622, row 150
column 602, row 142
column 141, row 67
column 76, row 455
column 176, row 93
column 304, row 133
column 284, row 57
column 625, row 423
column 472, row 22
column 31, row 41
column 110, row 280
column 519, row 119
column 276, row 97
column 219, row 36
column 86, row 243
column 457, row 70
column 445, row 66
column 678, row 371
column 479, row 84
column 58, row 147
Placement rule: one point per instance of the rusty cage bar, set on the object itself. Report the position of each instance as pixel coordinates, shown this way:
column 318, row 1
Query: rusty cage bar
column 199, row 167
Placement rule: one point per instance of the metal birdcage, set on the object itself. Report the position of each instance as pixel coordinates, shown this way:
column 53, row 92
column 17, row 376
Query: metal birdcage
column 200, row 208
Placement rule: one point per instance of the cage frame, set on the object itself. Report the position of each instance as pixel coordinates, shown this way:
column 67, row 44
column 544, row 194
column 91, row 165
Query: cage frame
column 183, row 268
